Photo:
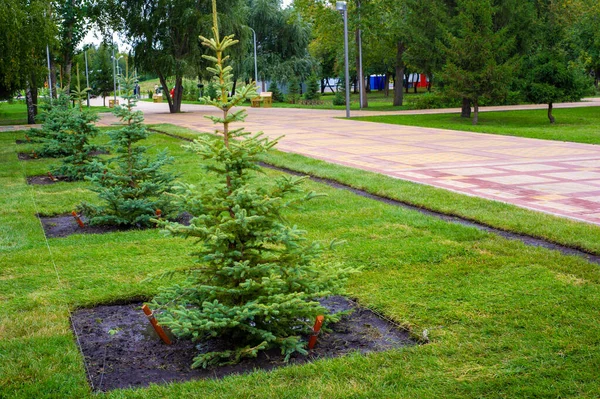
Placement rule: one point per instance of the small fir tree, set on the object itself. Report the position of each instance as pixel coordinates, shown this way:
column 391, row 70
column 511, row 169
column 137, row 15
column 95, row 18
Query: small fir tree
column 312, row 88
column 276, row 93
column 131, row 186
column 76, row 131
column 55, row 117
column 340, row 93
column 256, row 282
column 293, row 90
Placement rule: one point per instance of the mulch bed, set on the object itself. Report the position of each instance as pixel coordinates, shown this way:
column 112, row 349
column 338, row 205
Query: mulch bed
column 122, row 350
column 26, row 156
column 65, row 225
column 43, row 180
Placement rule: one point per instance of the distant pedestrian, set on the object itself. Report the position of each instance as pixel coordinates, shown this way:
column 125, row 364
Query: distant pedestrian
column 172, row 92
column 155, row 89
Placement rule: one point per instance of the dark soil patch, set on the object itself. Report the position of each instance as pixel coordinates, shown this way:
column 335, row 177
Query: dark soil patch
column 27, row 156
column 122, row 350
column 22, row 141
column 43, row 180
column 66, row 225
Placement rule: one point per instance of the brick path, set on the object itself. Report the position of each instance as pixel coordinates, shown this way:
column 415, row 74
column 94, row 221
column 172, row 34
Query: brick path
column 549, row 176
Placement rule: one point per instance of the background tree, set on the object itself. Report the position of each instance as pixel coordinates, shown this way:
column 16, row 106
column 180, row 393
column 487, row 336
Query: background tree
column 477, row 64
column 24, row 33
column 164, row 35
column 551, row 73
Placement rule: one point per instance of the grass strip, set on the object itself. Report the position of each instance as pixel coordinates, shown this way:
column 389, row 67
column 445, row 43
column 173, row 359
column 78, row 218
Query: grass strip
column 570, row 233
column 578, row 125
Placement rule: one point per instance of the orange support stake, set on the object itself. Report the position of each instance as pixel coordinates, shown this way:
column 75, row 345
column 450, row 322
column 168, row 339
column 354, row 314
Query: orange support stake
column 78, row 219
column 161, row 333
column 158, row 213
column 27, row 138
column 316, row 329
column 52, row 177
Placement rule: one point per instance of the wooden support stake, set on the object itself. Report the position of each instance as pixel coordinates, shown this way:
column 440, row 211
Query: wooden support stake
column 158, row 213
column 52, row 177
column 159, row 330
column 316, row 329
column 78, row 219
column 27, row 138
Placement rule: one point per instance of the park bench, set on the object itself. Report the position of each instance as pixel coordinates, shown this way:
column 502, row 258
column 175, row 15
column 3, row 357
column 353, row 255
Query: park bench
column 265, row 97
column 157, row 98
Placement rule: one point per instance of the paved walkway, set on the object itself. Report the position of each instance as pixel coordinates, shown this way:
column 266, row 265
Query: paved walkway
column 549, row 176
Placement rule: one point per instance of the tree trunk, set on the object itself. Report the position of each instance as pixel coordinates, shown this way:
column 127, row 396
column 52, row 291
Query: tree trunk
column 429, row 83
column 323, row 86
column 398, row 94
column 359, row 72
column 30, row 106
column 178, row 93
column 233, row 88
column 368, row 84
column 475, row 112
column 550, row 116
column 407, row 82
column 417, row 82
column 165, row 87
column 103, row 100
column 466, row 108
column 386, row 85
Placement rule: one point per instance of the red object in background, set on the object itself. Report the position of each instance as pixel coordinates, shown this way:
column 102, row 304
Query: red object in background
column 317, row 327
column 52, row 177
column 158, row 213
column 159, row 330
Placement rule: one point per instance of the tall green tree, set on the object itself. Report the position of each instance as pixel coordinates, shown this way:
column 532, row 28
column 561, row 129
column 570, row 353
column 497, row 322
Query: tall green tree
column 25, row 31
column 551, row 73
column 163, row 34
column 477, row 55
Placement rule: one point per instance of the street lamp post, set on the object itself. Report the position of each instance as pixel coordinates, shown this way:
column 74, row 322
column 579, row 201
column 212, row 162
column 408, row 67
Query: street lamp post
column 341, row 6
column 114, row 76
column 49, row 73
column 255, row 59
column 87, row 79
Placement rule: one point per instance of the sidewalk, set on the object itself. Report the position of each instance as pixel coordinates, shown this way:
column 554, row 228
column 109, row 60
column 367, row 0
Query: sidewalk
column 549, row 176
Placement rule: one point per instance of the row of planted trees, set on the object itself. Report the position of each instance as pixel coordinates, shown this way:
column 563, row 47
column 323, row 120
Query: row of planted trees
column 256, row 279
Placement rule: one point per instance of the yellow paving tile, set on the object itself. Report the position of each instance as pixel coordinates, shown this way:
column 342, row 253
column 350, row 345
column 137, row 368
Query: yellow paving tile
column 551, row 197
column 374, row 149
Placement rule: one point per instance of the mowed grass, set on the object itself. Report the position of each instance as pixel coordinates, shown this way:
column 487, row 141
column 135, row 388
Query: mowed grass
column 505, row 320
column 579, row 125
column 16, row 113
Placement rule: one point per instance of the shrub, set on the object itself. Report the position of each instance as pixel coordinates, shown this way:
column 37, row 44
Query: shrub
column 257, row 282
column 433, row 100
column 277, row 95
column 293, row 90
column 340, row 93
column 313, row 89
column 131, row 186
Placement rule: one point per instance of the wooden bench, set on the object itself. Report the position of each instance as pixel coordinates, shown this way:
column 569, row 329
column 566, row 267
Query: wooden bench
column 157, row 98
column 265, row 97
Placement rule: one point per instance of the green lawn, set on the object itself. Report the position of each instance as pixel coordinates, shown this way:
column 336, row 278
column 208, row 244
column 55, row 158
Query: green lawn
column 505, row 320
column 16, row 113
column 580, row 125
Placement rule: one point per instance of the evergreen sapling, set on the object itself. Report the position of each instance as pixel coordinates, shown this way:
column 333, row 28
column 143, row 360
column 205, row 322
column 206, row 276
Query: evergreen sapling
column 257, row 280
column 76, row 130
column 131, row 186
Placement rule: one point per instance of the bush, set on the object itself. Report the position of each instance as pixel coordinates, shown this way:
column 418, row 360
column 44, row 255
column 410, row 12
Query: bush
column 433, row 100
column 293, row 90
column 313, row 88
column 340, row 93
column 256, row 282
column 277, row 95
column 210, row 91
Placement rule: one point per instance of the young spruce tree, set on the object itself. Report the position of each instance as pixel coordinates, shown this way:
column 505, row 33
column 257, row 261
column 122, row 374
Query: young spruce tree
column 256, row 281
column 76, row 130
column 132, row 186
column 55, row 117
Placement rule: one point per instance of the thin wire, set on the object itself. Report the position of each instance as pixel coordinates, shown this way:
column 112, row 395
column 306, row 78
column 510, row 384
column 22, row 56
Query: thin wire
column 60, row 283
